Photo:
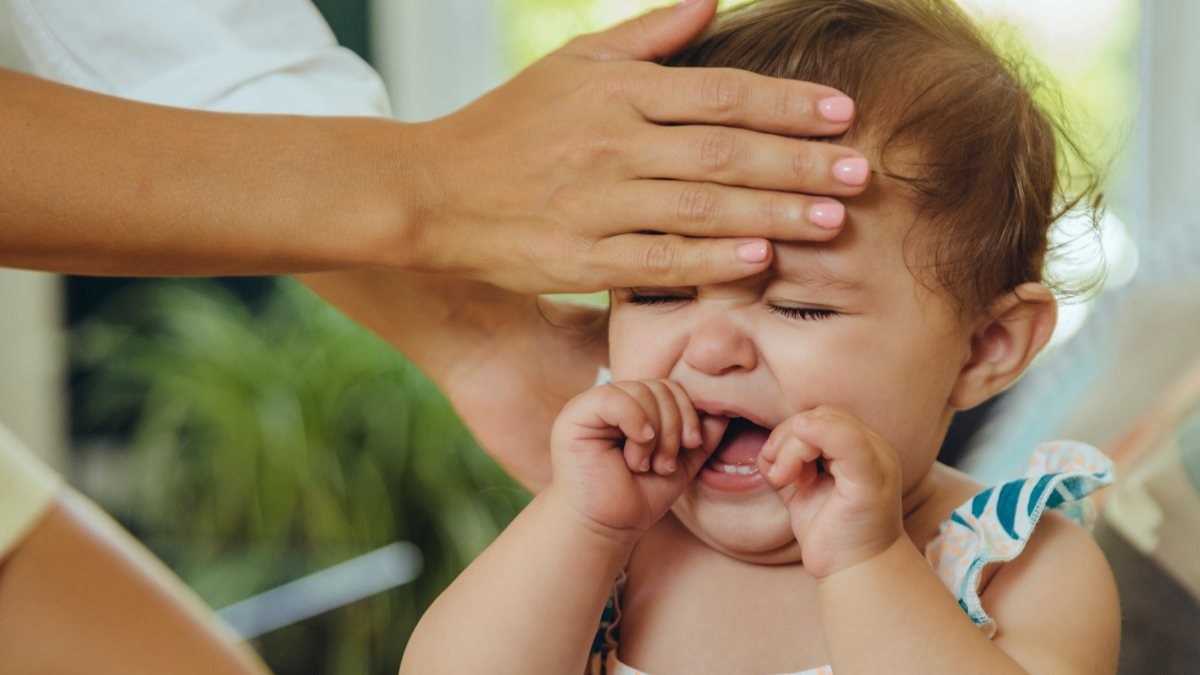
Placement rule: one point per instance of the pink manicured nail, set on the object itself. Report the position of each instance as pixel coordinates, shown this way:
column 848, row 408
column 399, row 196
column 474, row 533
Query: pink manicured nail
column 836, row 108
column 851, row 171
column 686, row 3
column 827, row 214
column 753, row 252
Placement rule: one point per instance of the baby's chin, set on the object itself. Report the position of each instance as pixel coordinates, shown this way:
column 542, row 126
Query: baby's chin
column 755, row 532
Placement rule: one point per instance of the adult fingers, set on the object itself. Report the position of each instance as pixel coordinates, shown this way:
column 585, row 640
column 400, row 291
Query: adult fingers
column 698, row 209
column 733, row 97
column 716, row 154
column 670, row 260
column 652, row 35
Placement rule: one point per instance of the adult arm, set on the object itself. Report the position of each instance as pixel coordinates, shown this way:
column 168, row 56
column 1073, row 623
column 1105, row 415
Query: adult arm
column 548, row 183
column 507, row 363
column 80, row 595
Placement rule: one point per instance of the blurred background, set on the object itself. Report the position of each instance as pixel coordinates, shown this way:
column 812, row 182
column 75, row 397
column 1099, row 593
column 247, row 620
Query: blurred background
column 254, row 438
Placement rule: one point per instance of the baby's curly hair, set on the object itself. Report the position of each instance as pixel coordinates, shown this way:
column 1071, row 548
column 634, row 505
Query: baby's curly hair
column 989, row 168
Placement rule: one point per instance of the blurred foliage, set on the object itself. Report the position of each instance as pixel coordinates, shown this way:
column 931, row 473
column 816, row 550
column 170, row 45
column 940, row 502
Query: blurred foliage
column 273, row 443
column 532, row 28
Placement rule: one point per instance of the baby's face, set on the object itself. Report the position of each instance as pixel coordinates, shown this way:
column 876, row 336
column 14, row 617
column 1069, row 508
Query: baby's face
column 843, row 323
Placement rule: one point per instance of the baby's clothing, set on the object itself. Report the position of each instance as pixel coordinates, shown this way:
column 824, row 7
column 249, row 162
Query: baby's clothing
column 991, row 527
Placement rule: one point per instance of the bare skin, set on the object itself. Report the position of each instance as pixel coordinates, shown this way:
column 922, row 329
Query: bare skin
column 80, row 595
column 550, row 183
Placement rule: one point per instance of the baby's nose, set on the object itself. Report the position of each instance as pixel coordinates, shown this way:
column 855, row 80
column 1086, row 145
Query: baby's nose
column 717, row 346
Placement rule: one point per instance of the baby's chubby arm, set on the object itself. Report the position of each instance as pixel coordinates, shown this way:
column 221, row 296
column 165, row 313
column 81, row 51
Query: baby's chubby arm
column 531, row 603
column 883, row 607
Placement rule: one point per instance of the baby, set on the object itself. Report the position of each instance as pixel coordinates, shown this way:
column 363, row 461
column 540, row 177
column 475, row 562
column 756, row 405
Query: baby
column 757, row 490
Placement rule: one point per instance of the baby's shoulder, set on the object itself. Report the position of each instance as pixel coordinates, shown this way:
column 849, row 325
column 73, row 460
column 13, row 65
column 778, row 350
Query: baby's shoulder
column 1016, row 556
column 1056, row 604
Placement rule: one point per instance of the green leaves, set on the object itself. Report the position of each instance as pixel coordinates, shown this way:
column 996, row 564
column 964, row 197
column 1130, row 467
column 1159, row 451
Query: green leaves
column 274, row 442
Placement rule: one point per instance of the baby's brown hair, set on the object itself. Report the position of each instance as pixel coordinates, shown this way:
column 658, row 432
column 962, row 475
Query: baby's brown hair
column 985, row 163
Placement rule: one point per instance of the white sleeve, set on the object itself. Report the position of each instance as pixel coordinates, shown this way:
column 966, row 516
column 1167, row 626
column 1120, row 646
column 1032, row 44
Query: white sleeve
column 266, row 56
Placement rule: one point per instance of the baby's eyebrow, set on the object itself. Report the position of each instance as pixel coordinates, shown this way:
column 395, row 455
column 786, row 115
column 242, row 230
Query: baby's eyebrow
column 815, row 275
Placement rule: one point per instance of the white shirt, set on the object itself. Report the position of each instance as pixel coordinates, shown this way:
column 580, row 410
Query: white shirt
column 265, row 56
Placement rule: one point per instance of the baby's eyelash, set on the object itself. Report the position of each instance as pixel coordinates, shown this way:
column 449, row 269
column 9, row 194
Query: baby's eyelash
column 803, row 313
column 635, row 299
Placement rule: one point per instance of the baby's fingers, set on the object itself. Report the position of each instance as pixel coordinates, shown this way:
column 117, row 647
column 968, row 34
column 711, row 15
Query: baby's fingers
column 662, row 421
column 680, row 426
column 790, row 461
column 624, row 409
column 853, row 453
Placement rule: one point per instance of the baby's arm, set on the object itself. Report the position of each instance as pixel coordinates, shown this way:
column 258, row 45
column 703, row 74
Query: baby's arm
column 531, row 603
column 883, row 607
column 1056, row 606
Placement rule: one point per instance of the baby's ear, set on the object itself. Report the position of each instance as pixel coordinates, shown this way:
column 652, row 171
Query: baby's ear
column 1013, row 330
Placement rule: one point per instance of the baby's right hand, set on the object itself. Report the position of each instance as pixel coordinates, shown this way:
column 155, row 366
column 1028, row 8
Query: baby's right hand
column 622, row 454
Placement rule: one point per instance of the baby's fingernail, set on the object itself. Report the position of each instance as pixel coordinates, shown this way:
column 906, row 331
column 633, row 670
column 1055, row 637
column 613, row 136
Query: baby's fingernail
column 851, row 171
column 645, row 465
column 669, row 466
column 647, row 433
column 836, row 108
column 827, row 214
column 772, row 473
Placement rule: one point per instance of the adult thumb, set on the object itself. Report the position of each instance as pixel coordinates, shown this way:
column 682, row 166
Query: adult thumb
column 653, row 35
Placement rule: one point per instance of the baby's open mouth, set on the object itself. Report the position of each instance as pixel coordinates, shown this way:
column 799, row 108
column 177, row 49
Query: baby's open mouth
column 739, row 448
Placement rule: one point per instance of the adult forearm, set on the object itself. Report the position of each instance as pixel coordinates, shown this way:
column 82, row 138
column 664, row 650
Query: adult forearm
column 98, row 185
column 80, row 595
column 530, row 603
column 497, row 355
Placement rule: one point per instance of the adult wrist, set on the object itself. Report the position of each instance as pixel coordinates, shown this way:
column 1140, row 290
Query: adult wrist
column 382, row 215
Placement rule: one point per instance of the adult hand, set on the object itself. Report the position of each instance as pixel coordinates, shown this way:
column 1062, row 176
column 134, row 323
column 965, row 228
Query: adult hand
column 595, row 168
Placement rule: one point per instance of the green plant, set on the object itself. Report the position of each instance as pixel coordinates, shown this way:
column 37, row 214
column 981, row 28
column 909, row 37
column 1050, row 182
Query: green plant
column 273, row 443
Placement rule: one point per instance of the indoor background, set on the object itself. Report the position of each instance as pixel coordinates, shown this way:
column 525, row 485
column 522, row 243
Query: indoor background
column 302, row 476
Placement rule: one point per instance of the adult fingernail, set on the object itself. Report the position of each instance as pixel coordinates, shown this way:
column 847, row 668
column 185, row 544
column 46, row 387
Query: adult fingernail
column 836, row 108
column 827, row 214
column 851, row 171
column 686, row 3
column 753, row 252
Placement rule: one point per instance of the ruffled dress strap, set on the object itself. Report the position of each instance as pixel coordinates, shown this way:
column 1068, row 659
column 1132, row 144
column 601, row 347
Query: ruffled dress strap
column 994, row 526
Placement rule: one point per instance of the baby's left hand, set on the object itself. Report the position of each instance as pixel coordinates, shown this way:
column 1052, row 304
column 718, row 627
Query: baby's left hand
column 847, row 514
